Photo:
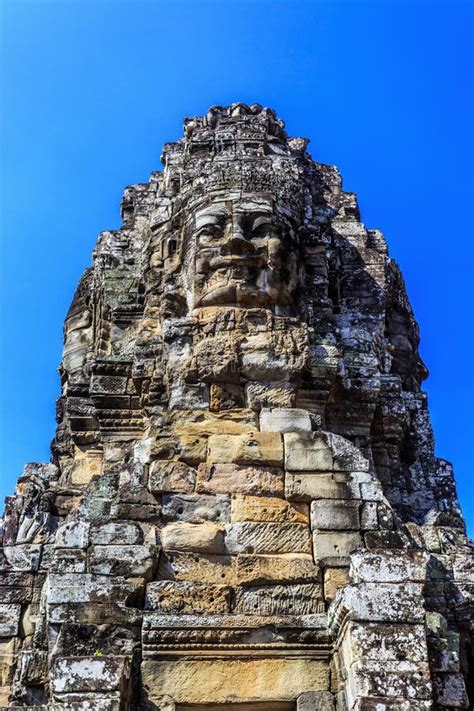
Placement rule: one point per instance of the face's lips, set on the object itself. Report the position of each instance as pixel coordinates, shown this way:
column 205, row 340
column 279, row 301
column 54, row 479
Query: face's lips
column 244, row 260
column 235, row 293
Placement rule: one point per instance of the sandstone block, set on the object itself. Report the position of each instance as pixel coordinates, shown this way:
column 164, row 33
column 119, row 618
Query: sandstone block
column 384, row 540
column 72, row 534
column 135, row 511
column 196, row 508
column 204, row 423
column 251, row 537
column 285, row 419
column 122, row 560
column 371, row 491
column 269, row 509
column 26, row 556
column 107, row 612
column 307, row 452
column 315, row 701
column 164, row 703
column 388, row 643
column 163, row 446
column 305, row 599
column 235, row 479
column 379, row 680
column 16, row 586
column 9, row 619
column 8, row 652
column 113, row 384
column 335, row 515
column 463, row 567
column 155, row 621
column 162, row 211
column 193, row 537
column 259, row 362
column 334, row 578
column 87, row 465
column 260, row 394
column 450, row 691
column 215, row 360
column 142, row 451
column 384, row 602
column 431, row 539
column 46, row 471
column 388, row 566
column 233, row 681
column 187, row 397
column 346, row 456
column 264, row 448
column 225, row 396
column 46, row 557
column 171, row 597
column 202, row 568
column 171, row 476
column 384, row 514
column 192, row 449
column 335, row 545
column 68, row 560
column 116, row 533
column 86, row 674
column 286, row 568
column 109, row 701
column 306, row 486
column 369, row 517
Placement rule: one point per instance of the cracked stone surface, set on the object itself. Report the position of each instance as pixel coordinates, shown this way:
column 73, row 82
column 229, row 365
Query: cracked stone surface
column 243, row 507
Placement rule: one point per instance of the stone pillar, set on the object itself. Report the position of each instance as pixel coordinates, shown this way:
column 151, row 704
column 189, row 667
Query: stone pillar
column 315, row 701
column 98, row 682
column 444, row 654
column 378, row 624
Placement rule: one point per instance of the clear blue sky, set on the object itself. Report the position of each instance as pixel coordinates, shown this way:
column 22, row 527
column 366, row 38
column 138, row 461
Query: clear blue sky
column 91, row 90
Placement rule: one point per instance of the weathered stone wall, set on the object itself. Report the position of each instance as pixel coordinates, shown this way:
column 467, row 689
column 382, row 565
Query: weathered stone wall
column 243, row 507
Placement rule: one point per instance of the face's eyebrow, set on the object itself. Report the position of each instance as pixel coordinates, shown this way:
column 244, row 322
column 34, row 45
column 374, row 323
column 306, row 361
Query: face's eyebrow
column 259, row 220
column 254, row 219
column 209, row 218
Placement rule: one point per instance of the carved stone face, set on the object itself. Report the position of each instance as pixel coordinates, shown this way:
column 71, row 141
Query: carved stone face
column 243, row 255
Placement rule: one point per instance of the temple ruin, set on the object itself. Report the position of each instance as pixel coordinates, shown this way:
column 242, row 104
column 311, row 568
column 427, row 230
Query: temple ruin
column 243, row 508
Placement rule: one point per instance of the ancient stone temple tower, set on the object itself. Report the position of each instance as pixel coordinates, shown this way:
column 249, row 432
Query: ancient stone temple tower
column 243, row 509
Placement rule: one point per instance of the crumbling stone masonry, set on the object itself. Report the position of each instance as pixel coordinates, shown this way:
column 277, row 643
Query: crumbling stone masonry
column 243, row 509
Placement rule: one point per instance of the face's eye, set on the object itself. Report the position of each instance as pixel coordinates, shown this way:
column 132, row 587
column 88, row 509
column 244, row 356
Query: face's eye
column 209, row 230
column 209, row 233
column 264, row 230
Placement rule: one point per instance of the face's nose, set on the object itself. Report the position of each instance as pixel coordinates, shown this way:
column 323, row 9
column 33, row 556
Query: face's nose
column 237, row 246
column 237, row 243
